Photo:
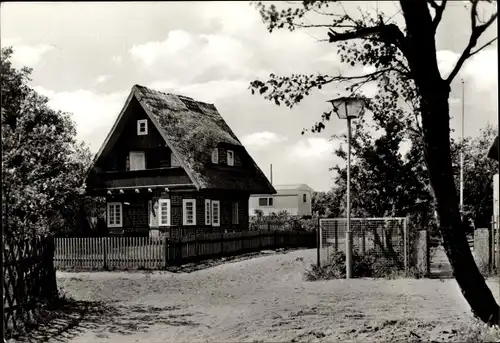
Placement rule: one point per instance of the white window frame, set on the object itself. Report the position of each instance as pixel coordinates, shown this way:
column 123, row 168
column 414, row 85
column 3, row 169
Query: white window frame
column 139, row 131
column 230, row 161
column 215, row 156
column 184, row 211
column 267, row 202
column 161, row 203
column 236, row 213
column 216, row 223
column 208, row 212
column 108, row 214
column 137, row 153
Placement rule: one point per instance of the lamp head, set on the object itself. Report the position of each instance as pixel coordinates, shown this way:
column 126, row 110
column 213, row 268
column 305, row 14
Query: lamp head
column 348, row 107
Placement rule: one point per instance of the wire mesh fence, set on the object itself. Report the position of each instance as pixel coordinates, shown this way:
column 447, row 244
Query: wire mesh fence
column 381, row 238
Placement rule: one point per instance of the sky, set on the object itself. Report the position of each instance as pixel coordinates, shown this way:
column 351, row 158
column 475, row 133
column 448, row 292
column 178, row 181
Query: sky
column 87, row 56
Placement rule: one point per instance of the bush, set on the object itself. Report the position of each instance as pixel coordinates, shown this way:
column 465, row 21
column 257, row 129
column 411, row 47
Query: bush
column 369, row 265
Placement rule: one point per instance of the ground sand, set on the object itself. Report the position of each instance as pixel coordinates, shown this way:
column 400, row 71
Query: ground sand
column 263, row 299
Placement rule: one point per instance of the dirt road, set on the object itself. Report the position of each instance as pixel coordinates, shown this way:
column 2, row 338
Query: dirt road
column 261, row 299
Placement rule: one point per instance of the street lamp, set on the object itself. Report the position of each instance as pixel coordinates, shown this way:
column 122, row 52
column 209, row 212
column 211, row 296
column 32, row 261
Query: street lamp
column 348, row 108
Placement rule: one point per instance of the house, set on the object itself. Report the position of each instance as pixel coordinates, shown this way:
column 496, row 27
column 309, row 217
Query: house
column 171, row 165
column 295, row 199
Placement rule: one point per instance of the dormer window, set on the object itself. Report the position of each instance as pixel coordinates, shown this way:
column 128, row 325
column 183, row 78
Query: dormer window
column 142, row 127
column 215, row 156
column 230, row 158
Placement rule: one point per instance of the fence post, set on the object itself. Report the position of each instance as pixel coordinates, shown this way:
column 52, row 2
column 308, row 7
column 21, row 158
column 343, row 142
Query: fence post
column 165, row 251
column 405, row 242
column 222, row 243
column 104, row 252
column 318, row 243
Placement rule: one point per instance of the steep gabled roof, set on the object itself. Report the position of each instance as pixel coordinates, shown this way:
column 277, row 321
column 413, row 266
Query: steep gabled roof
column 192, row 129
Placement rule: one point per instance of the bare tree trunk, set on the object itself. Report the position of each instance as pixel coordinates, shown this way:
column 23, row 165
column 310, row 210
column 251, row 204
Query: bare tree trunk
column 465, row 271
column 434, row 93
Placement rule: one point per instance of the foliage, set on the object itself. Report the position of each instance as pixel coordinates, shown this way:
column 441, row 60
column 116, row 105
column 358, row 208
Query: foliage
column 478, row 177
column 326, row 204
column 283, row 220
column 42, row 163
column 368, row 265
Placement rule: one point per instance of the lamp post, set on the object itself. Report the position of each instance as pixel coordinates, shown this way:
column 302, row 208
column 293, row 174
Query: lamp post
column 348, row 108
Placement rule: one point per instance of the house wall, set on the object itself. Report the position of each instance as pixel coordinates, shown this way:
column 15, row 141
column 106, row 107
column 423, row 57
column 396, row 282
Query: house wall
column 153, row 144
column 136, row 215
column 305, row 208
column 289, row 201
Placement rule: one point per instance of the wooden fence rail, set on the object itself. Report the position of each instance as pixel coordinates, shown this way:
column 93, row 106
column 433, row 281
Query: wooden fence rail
column 158, row 253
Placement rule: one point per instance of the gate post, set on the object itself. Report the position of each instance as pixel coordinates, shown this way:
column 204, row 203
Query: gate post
column 405, row 242
column 319, row 243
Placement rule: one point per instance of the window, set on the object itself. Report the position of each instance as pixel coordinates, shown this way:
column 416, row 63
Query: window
column 142, row 127
column 114, row 214
column 265, row 202
column 235, row 213
column 137, row 160
column 189, row 211
column 164, row 212
column 230, row 158
column 215, row 213
column 208, row 213
column 304, row 198
column 215, row 155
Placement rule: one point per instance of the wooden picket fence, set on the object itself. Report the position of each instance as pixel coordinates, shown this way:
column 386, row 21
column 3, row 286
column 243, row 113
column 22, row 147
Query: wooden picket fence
column 126, row 253
column 29, row 280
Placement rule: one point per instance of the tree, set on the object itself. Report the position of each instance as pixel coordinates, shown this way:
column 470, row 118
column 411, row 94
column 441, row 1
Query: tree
column 478, row 177
column 42, row 163
column 406, row 69
column 326, row 204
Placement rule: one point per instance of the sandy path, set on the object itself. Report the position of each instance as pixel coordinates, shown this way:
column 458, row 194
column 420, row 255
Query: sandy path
column 261, row 299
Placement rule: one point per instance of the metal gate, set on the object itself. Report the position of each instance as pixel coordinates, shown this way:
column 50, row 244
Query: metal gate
column 382, row 237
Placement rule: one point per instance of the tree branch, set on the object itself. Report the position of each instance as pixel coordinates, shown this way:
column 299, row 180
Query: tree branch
column 477, row 31
column 439, row 12
column 389, row 32
column 484, row 46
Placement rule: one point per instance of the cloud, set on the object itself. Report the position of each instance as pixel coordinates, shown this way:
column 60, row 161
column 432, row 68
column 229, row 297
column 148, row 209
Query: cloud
column 446, row 61
column 261, row 140
column 102, row 78
column 28, row 55
column 312, row 148
column 484, row 68
column 92, row 112
column 117, row 59
column 209, row 92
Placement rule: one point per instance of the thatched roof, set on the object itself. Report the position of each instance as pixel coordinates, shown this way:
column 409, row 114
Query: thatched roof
column 192, row 129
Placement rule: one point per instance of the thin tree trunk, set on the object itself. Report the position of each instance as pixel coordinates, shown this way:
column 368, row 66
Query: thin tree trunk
column 434, row 94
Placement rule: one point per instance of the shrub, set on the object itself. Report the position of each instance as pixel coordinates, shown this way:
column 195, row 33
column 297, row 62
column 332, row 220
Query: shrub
column 369, row 265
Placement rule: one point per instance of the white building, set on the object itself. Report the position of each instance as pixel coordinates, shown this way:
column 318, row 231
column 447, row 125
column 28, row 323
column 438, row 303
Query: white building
column 295, row 199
